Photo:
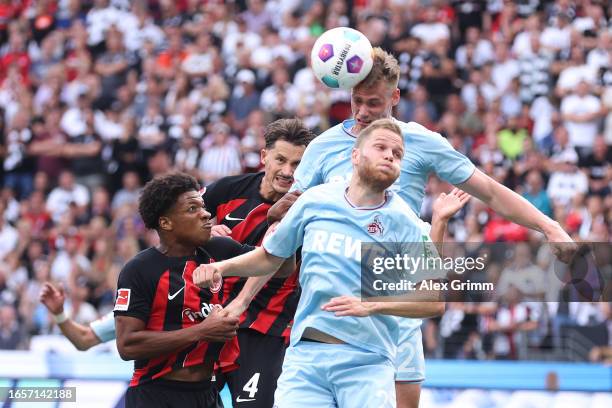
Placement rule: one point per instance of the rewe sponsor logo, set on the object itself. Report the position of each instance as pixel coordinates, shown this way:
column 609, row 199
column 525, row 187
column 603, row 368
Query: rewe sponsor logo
column 337, row 244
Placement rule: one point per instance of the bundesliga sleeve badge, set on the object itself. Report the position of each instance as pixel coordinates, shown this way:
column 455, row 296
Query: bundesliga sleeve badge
column 123, row 300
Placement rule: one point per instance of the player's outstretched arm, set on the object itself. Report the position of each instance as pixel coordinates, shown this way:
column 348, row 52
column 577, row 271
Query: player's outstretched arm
column 444, row 208
column 253, row 285
column 512, row 206
column 353, row 306
column 255, row 263
column 82, row 337
column 134, row 342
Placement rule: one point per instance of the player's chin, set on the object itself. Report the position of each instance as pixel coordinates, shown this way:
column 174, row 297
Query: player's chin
column 386, row 179
column 204, row 236
column 282, row 186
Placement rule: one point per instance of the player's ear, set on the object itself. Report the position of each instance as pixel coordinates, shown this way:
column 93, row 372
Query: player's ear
column 395, row 97
column 165, row 223
column 263, row 155
column 355, row 155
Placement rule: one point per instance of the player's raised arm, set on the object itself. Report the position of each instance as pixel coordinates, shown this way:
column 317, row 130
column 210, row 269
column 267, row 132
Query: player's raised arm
column 81, row 336
column 512, row 206
column 444, row 208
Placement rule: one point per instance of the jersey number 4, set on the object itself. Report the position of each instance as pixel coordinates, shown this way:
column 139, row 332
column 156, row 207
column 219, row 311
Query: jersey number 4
column 251, row 385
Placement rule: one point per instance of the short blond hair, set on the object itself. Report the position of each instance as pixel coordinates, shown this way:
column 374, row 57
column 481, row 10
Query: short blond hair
column 385, row 68
column 385, row 123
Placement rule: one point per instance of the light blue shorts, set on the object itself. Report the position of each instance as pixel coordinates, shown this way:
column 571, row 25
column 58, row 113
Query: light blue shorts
column 410, row 360
column 334, row 375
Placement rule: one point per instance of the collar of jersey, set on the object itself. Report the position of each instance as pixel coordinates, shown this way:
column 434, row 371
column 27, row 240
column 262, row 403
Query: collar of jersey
column 347, row 125
column 376, row 207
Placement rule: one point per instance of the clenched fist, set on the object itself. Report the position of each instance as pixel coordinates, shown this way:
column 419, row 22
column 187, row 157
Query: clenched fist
column 207, row 276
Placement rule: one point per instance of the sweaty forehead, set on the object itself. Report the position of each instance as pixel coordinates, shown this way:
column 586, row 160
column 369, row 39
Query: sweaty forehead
column 380, row 90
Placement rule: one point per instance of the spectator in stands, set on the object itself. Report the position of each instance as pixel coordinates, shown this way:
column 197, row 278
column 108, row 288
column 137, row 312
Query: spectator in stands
column 47, row 144
column 511, row 139
column 279, row 99
column 244, row 100
column 567, row 180
column 128, row 195
column 222, row 157
column 523, row 275
column 476, row 51
column 592, row 217
column 187, row 155
column 257, row 16
column 575, row 71
column 12, row 336
column 411, row 100
column 83, row 152
column 18, row 165
column 113, row 66
column 598, row 166
column 512, row 319
column 8, row 234
column 534, row 70
column 581, row 112
column 67, row 193
column 535, row 193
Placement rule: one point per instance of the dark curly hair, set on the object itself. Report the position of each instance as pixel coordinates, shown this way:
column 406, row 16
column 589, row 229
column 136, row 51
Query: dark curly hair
column 290, row 130
column 161, row 193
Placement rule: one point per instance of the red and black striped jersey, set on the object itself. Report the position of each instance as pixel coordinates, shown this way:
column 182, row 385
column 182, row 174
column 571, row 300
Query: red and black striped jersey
column 237, row 203
column 159, row 290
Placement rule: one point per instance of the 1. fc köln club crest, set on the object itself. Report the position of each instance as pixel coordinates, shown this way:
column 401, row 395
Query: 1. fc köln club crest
column 376, row 227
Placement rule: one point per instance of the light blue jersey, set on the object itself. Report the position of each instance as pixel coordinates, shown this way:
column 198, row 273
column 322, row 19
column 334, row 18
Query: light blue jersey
column 330, row 230
column 104, row 327
column 328, row 158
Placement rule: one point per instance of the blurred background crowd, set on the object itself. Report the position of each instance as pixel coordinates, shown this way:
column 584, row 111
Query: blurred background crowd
column 98, row 96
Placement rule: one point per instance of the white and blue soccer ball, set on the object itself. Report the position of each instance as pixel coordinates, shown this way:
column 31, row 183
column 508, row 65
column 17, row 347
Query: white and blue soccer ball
column 341, row 57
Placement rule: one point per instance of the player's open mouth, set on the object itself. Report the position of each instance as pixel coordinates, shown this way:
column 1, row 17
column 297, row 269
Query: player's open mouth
column 208, row 225
column 286, row 182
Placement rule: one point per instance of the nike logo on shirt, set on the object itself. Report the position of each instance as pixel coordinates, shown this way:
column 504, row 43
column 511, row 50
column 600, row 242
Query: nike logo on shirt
column 170, row 297
column 239, row 399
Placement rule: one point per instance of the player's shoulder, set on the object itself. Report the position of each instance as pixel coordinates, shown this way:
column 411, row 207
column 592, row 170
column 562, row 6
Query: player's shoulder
column 221, row 248
column 144, row 262
column 234, row 183
column 217, row 245
column 416, row 131
column 326, row 191
column 333, row 134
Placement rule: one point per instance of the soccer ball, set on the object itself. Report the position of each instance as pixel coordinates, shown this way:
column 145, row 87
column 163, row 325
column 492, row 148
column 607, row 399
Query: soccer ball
column 341, row 57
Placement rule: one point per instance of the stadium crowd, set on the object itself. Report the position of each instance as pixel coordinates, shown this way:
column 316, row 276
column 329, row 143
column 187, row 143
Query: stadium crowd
column 99, row 96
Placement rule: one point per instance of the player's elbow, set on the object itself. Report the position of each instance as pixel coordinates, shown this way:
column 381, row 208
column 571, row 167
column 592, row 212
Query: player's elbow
column 82, row 346
column 125, row 352
column 88, row 340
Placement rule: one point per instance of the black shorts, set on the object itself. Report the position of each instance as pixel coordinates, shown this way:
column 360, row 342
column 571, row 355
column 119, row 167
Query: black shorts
column 260, row 362
column 170, row 394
